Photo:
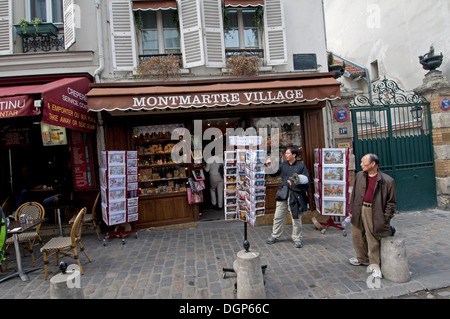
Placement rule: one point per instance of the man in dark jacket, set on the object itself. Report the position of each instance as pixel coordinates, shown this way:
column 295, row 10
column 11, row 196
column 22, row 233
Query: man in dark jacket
column 372, row 205
column 295, row 175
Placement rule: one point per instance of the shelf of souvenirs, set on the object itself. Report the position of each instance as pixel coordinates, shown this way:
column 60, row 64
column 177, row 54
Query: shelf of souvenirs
column 163, row 189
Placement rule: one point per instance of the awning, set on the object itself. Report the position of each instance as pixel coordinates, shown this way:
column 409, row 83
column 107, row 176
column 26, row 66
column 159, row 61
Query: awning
column 62, row 103
column 244, row 3
column 154, row 5
column 151, row 97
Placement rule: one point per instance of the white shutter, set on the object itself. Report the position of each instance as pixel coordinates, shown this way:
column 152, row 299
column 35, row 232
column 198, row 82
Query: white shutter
column 214, row 34
column 274, row 32
column 69, row 23
column 191, row 33
column 123, row 44
column 6, row 28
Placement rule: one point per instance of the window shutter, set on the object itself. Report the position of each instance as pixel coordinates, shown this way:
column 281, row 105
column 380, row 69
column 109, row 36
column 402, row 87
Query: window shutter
column 69, row 23
column 191, row 33
column 6, row 29
column 123, row 44
column 214, row 34
column 274, row 32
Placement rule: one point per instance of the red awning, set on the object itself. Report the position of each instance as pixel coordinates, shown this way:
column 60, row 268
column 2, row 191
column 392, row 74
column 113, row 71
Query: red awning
column 62, row 103
column 244, row 3
column 154, row 5
column 150, row 97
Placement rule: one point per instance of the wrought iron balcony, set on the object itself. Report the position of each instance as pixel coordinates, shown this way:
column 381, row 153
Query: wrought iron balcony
column 43, row 37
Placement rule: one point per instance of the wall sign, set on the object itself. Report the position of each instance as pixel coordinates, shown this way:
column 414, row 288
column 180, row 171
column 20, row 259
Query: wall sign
column 341, row 114
column 445, row 104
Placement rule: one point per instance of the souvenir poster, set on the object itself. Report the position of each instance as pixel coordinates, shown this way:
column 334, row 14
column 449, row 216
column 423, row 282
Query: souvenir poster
column 333, row 156
column 334, row 189
column 334, row 174
column 333, row 207
column 119, row 186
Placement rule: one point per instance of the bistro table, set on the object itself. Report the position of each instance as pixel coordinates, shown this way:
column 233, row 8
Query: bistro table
column 15, row 228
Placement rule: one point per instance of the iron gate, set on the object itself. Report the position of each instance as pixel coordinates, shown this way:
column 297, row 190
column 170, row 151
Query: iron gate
column 396, row 126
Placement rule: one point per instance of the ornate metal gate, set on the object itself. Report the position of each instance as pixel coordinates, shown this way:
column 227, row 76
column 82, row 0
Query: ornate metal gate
column 396, row 125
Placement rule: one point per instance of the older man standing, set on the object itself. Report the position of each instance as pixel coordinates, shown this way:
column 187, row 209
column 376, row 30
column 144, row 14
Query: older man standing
column 372, row 205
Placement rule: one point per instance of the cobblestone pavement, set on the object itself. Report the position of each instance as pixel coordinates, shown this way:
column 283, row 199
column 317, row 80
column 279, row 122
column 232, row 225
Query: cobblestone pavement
column 188, row 264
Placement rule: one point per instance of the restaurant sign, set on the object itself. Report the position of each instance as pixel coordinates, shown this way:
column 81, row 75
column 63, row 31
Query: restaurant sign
column 15, row 106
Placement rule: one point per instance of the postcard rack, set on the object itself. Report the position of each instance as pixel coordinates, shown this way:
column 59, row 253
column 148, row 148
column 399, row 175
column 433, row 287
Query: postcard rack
column 119, row 192
column 331, row 186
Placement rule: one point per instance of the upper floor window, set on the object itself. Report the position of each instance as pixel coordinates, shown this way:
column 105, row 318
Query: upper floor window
column 241, row 29
column 159, row 30
column 46, row 10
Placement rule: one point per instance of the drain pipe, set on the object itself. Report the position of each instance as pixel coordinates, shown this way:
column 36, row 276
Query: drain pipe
column 101, row 144
column 101, row 56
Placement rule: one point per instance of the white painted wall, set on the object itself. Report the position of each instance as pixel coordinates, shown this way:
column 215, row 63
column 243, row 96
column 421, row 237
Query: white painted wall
column 395, row 33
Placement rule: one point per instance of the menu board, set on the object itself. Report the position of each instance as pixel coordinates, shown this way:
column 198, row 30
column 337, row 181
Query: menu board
column 82, row 161
column 119, row 187
column 331, row 181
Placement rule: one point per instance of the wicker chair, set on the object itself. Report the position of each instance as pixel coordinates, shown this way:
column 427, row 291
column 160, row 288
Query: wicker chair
column 27, row 239
column 90, row 219
column 63, row 245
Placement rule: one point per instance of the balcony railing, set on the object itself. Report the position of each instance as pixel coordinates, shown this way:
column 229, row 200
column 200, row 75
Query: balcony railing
column 44, row 38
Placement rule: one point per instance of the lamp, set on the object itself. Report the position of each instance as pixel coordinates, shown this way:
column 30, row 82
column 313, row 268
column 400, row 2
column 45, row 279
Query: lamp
column 416, row 112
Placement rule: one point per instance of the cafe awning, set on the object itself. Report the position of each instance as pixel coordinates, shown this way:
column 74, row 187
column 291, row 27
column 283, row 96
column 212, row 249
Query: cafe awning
column 138, row 96
column 61, row 102
column 244, row 3
column 154, row 5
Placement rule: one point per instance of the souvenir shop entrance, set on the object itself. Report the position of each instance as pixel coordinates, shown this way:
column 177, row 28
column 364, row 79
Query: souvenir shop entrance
column 154, row 130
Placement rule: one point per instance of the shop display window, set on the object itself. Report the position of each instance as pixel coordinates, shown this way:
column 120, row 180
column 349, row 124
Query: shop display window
column 279, row 132
column 158, row 172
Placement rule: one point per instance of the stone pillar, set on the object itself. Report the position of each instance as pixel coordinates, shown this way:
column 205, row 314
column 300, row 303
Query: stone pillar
column 66, row 286
column 394, row 262
column 250, row 282
column 436, row 89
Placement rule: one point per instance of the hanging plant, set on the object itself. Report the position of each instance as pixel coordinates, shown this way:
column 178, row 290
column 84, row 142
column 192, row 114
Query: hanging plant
column 243, row 65
column 162, row 67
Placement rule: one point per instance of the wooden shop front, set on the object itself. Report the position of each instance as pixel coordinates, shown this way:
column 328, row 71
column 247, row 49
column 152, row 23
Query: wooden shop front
column 149, row 117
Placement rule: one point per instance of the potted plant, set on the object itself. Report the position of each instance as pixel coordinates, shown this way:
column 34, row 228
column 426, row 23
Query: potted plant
column 430, row 61
column 164, row 67
column 243, row 65
column 35, row 28
column 338, row 69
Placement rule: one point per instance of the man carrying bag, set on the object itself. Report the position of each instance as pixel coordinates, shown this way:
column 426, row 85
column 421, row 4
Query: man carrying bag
column 292, row 197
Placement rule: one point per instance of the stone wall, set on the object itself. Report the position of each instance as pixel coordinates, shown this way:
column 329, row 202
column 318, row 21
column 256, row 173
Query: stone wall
column 435, row 89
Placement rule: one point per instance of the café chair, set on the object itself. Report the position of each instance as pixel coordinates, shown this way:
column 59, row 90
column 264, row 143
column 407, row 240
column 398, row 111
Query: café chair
column 27, row 239
column 91, row 219
column 64, row 245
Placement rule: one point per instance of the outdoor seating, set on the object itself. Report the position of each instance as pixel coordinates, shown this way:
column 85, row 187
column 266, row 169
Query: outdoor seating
column 63, row 245
column 90, row 219
column 32, row 210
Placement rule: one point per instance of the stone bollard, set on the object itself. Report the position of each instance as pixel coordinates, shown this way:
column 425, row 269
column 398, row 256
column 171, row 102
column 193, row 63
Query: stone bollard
column 250, row 282
column 66, row 286
column 394, row 262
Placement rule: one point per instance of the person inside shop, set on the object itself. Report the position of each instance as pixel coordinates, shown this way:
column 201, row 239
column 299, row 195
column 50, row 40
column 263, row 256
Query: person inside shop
column 59, row 188
column 372, row 205
column 295, row 177
column 214, row 168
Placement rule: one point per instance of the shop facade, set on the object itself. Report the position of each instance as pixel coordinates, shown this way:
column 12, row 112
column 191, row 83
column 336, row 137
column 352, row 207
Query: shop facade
column 154, row 118
column 47, row 140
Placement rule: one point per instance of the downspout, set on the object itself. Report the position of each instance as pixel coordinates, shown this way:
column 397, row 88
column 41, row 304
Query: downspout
column 101, row 145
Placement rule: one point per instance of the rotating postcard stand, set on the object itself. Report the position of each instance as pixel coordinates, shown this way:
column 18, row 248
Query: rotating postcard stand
column 119, row 192
column 244, row 191
column 331, row 186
